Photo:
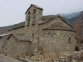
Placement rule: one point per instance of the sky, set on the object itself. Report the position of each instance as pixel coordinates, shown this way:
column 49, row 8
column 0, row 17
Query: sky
column 13, row 11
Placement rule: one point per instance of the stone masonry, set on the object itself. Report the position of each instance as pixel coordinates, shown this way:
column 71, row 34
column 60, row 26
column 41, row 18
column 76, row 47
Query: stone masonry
column 44, row 35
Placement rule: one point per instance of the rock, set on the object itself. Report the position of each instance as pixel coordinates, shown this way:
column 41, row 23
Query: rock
column 37, row 58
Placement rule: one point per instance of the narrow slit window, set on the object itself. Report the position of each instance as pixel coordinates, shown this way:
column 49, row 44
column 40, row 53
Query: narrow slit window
column 34, row 16
column 69, row 40
column 28, row 18
column 33, row 35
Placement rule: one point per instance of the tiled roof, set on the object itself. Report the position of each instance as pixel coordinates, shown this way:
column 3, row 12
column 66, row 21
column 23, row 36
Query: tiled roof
column 20, row 37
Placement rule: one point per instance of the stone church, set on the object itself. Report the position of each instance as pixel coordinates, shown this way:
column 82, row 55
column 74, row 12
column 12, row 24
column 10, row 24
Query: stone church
column 40, row 35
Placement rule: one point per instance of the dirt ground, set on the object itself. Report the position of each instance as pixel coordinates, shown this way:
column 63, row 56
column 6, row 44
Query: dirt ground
column 7, row 59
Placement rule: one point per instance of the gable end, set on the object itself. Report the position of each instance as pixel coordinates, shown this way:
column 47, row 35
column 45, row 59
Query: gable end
column 33, row 6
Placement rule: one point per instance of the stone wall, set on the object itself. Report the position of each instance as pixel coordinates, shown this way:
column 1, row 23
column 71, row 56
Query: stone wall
column 1, row 44
column 62, row 41
column 11, row 47
column 4, row 44
column 24, row 48
column 58, row 41
column 18, row 48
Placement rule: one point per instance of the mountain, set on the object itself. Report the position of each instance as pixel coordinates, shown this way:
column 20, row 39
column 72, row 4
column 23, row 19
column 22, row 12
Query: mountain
column 79, row 17
column 79, row 26
column 76, row 20
column 69, row 16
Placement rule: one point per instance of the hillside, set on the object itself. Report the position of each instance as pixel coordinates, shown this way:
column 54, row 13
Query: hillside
column 69, row 16
column 6, row 28
column 79, row 27
column 77, row 23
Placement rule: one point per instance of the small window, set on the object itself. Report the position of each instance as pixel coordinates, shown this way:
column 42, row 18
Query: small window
column 76, row 48
column 34, row 12
column 33, row 35
column 69, row 40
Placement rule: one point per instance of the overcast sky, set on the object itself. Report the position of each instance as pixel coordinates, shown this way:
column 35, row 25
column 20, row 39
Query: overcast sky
column 13, row 11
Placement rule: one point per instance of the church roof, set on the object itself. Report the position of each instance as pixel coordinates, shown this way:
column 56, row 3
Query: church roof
column 58, row 26
column 5, row 34
column 51, row 17
column 20, row 37
column 16, row 26
column 45, row 19
column 4, row 37
column 34, row 6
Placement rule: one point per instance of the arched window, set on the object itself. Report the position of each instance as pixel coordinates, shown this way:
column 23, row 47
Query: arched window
column 34, row 16
column 29, row 17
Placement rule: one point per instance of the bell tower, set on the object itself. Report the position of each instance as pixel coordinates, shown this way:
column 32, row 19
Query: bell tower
column 33, row 15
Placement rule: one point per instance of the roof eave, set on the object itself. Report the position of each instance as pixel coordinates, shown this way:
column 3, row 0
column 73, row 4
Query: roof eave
column 60, row 29
column 16, row 28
